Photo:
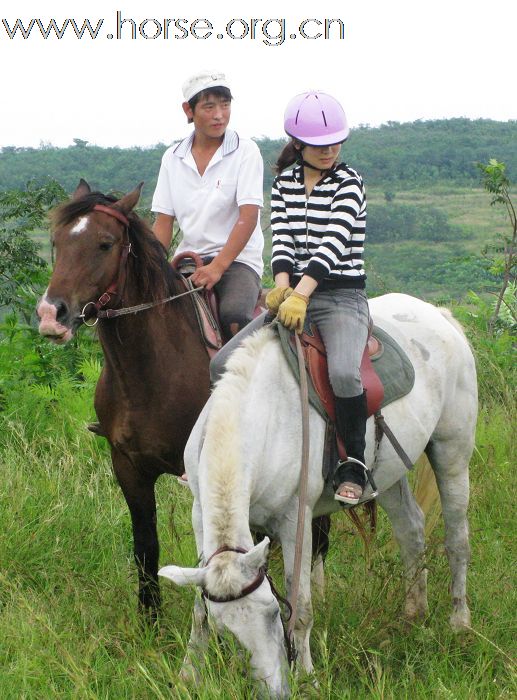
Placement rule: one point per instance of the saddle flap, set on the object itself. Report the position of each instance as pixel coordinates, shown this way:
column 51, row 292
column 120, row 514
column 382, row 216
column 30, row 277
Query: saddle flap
column 205, row 302
column 316, row 362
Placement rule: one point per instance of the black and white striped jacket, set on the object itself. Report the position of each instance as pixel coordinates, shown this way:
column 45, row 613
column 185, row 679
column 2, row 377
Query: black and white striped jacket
column 321, row 235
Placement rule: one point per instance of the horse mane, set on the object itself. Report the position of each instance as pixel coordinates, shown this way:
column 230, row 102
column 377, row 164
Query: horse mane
column 148, row 267
column 222, row 459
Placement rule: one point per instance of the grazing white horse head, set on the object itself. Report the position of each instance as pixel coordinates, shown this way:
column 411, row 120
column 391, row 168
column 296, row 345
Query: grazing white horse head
column 253, row 617
column 243, row 464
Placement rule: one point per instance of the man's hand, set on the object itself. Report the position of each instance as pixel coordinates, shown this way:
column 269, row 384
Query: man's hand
column 208, row 275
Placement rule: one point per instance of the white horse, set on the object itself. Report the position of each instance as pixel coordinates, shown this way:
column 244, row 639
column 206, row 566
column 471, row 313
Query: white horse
column 243, row 465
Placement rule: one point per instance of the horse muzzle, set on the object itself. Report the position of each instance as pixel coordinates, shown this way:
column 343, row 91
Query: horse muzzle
column 53, row 324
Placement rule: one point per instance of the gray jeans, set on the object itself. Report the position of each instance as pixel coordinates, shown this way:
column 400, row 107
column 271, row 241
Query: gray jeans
column 342, row 318
column 237, row 294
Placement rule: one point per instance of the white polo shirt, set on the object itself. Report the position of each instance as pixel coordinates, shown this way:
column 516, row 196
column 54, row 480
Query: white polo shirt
column 207, row 207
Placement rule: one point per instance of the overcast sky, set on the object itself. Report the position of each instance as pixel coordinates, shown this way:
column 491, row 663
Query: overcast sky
column 397, row 60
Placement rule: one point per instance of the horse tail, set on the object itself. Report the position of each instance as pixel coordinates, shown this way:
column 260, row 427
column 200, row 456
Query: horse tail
column 447, row 314
column 426, row 494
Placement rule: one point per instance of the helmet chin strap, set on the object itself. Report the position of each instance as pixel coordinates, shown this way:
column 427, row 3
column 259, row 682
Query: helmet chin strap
column 305, row 164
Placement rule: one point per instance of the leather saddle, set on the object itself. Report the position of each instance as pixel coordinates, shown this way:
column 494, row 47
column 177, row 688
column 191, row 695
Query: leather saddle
column 315, row 356
column 205, row 302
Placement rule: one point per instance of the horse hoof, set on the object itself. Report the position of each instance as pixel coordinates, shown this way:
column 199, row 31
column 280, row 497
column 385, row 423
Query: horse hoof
column 415, row 615
column 189, row 674
column 460, row 621
column 415, row 610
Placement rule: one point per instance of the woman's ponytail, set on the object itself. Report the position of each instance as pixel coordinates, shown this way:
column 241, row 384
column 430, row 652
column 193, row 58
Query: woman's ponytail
column 289, row 155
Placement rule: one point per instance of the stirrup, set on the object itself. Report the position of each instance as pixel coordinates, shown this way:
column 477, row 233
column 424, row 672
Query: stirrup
column 368, row 474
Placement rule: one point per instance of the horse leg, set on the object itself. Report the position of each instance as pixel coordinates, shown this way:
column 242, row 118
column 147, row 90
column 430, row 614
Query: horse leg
column 304, row 617
column 198, row 642
column 407, row 521
column 138, row 491
column 320, row 547
column 451, row 470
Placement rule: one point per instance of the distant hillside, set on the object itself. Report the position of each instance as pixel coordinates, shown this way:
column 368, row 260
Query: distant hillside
column 391, row 156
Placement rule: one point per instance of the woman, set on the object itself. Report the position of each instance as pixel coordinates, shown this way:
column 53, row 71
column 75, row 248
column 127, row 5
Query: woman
column 318, row 217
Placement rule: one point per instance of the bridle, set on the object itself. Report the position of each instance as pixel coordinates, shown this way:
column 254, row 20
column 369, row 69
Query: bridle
column 120, row 279
column 117, row 286
column 257, row 581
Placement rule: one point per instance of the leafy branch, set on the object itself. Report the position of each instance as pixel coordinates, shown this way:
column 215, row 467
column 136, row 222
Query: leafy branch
column 496, row 182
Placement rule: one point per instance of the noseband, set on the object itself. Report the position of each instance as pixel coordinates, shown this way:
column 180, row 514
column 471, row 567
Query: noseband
column 262, row 574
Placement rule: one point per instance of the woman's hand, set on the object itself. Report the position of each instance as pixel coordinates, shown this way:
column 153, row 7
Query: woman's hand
column 275, row 297
column 292, row 311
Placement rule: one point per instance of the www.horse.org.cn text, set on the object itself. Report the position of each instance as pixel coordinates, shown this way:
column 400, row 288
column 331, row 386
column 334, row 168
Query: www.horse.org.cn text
column 272, row 31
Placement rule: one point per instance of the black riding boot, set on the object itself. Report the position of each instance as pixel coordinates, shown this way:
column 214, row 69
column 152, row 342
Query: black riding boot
column 351, row 415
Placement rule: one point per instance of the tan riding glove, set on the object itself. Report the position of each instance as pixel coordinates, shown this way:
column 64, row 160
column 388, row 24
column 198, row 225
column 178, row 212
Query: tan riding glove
column 275, row 297
column 291, row 312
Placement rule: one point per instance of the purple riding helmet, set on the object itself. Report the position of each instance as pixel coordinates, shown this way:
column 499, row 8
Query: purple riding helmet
column 316, row 119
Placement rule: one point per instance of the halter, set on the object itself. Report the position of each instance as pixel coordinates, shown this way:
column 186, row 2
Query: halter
column 262, row 574
column 245, row 591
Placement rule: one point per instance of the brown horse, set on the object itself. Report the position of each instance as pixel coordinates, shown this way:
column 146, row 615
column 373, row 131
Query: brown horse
column 155, row 378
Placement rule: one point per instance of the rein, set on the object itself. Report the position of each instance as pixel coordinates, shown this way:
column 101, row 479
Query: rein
column 262, row 574
column 124, row 311
column 119, row 282
column 302, row 495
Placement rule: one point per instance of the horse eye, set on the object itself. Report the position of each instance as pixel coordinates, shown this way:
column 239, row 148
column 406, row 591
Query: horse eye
column 106, row 246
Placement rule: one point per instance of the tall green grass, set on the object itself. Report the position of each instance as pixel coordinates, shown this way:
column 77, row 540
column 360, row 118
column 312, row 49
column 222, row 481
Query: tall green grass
column 68, row 621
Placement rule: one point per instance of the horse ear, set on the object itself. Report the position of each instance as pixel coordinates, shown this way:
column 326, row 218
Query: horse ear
column 130, row 200
column 82, row 189
column 183, row 576
column 257, row 556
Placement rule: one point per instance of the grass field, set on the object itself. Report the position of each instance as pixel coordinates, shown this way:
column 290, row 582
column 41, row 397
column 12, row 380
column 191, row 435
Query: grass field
column 68, row 622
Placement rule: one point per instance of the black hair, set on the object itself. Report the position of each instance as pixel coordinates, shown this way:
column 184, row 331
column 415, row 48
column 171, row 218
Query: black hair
column 218, row 91
column 290, row 154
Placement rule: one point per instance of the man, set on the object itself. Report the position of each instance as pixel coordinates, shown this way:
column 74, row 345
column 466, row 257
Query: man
column 212, row 184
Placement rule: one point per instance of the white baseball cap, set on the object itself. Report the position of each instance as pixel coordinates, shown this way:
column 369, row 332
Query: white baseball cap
column 201, row 81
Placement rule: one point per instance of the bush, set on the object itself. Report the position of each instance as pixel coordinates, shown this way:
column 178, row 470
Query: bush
column 399, row 222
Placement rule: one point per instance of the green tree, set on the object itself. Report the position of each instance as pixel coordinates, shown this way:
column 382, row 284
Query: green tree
column 21, row 213
column 502, row 253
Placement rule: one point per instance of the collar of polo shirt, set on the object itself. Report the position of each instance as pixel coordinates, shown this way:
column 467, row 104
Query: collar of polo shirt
column 230, row 144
